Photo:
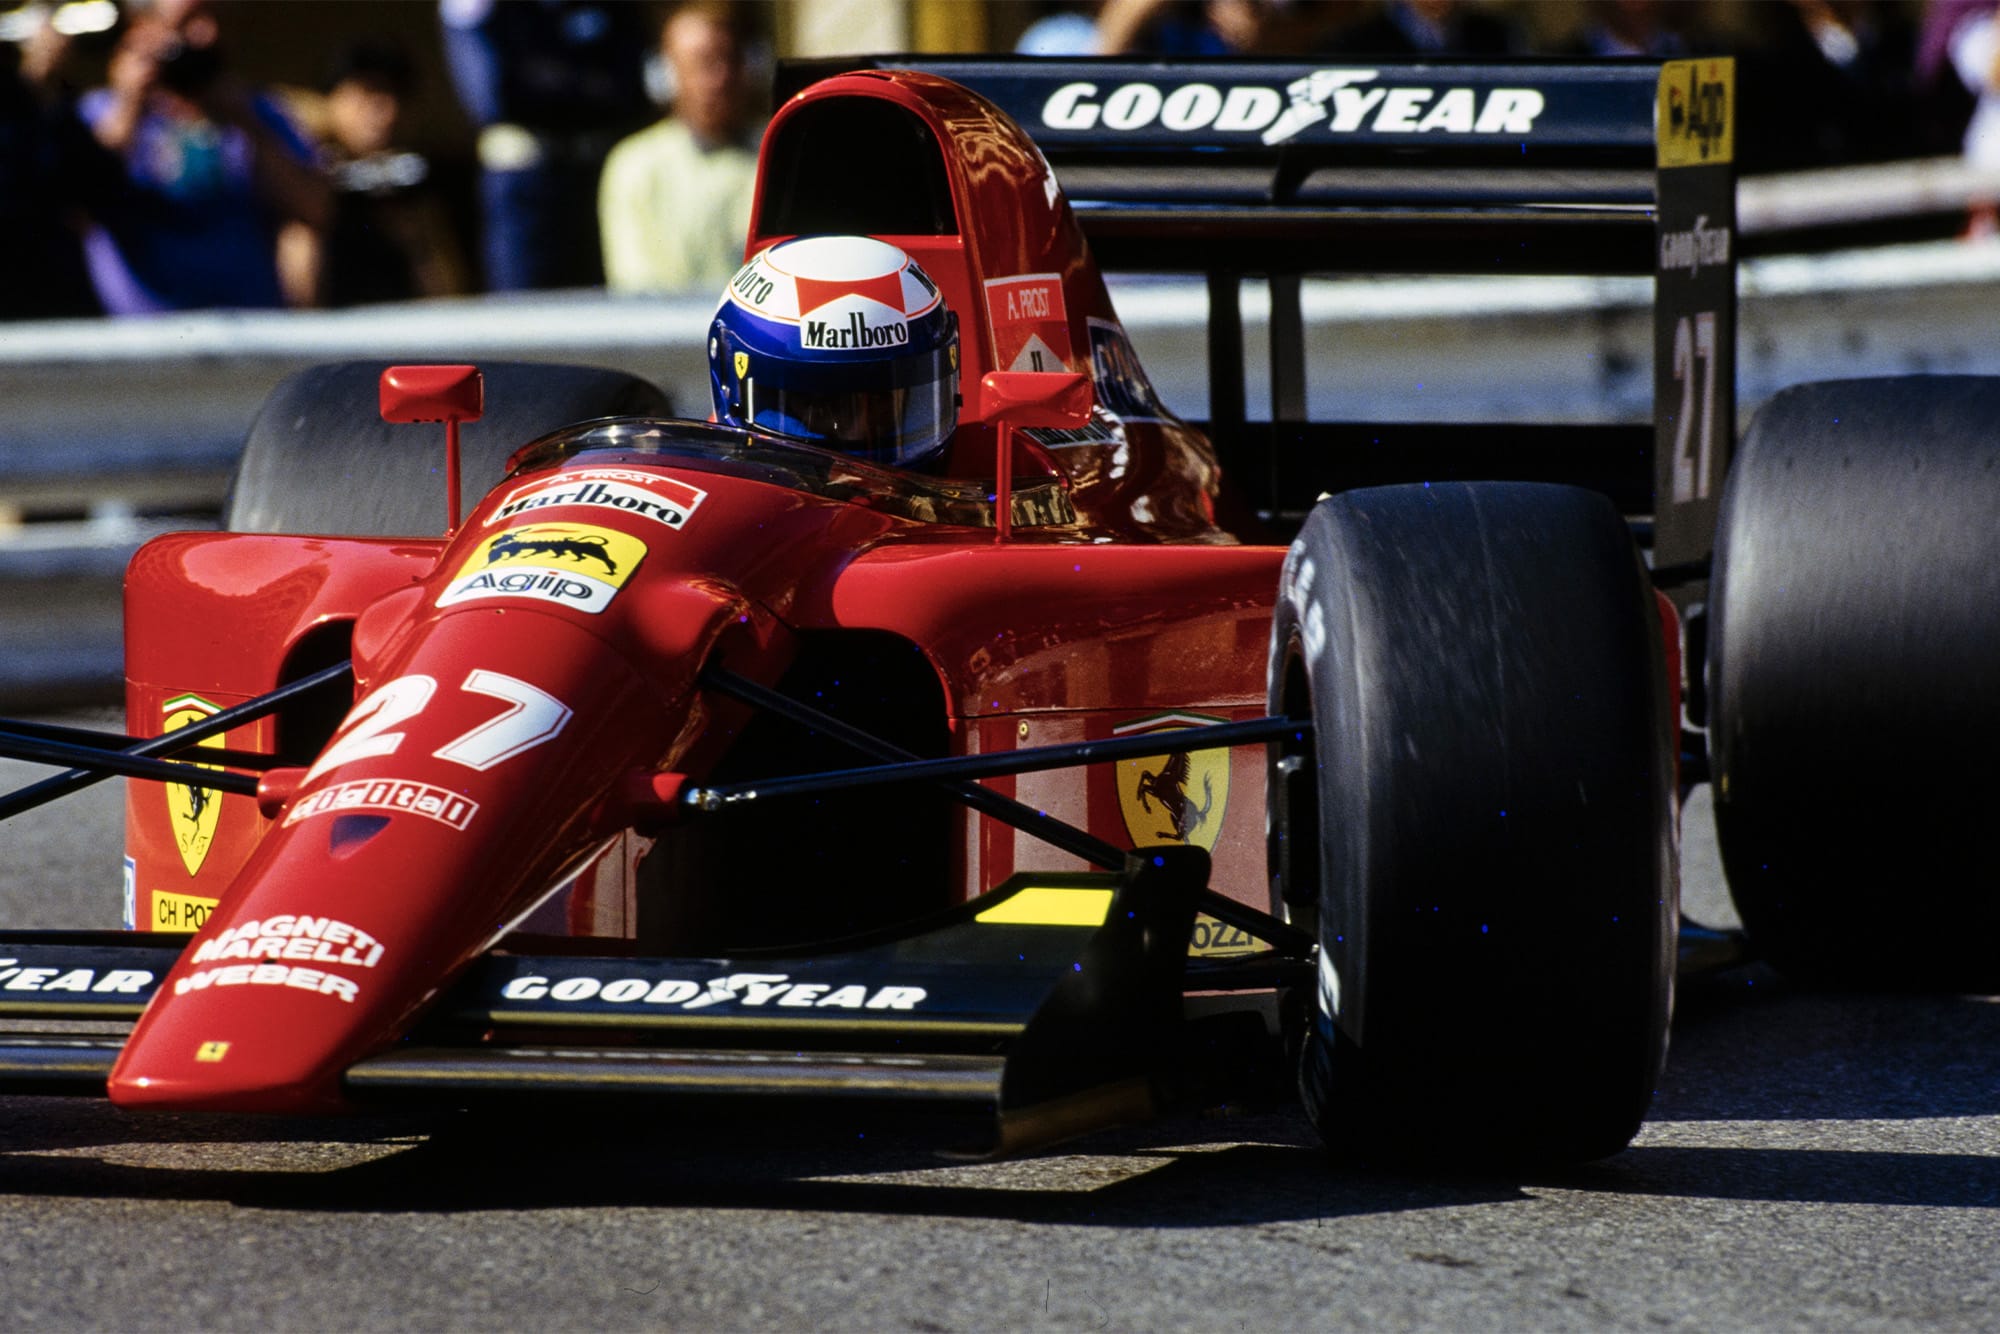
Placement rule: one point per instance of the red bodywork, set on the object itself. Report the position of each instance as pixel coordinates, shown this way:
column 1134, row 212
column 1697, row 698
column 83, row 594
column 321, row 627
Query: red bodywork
column 497, row 734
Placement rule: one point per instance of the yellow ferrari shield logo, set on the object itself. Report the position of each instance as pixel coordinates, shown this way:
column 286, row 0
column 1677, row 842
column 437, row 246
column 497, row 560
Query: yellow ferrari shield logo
column 1173, row 799
column 742, row 360
column 192, row 810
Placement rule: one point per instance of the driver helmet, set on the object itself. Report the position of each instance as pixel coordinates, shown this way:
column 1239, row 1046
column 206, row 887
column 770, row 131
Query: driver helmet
column 840, row 341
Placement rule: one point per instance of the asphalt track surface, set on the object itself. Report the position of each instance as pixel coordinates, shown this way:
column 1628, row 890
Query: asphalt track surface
column 1814, row 1161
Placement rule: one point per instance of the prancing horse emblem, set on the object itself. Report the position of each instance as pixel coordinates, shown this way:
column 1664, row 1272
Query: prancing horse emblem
column 1177, row 798
column 192, row 811
column 1169, row 788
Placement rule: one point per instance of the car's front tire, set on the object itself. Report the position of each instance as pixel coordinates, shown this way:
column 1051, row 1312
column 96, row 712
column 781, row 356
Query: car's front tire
column 1481, row 830
column 320, row 459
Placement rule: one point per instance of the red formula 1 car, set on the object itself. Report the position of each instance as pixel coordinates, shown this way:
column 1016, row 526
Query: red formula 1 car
column 703, row 763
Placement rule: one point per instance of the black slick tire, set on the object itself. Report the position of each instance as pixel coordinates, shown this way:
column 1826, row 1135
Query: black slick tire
column 1855, row 719
column 1481, row 830
column 320, row 459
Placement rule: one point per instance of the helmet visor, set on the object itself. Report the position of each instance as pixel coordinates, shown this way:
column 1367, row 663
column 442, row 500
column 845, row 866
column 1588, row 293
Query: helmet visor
column 900, row 425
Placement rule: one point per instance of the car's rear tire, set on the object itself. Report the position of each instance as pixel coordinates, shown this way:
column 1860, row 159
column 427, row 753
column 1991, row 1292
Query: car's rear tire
column 1481, row 830
column 320, row 459
column 1853, row 653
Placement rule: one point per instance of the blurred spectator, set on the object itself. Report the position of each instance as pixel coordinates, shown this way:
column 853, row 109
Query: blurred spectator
column 1186, row 28
column 51, row 172
column 218, row 162
column 390, row 237
column 1062, row 30
column 1423, row 28
column 1944, row 100
column 1635, row 28
column 674, row 203
column 1974, row 45
column 552, row 84
column 1826, row 82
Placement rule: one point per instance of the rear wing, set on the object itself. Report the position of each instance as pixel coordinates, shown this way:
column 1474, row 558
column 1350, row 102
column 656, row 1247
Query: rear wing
column 1239, row 168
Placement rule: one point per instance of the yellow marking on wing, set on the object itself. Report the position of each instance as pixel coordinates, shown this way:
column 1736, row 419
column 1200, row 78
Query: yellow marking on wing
column 1047, row 905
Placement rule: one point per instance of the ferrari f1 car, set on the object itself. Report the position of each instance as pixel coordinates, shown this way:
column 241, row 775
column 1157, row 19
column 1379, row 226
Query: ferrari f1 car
column 1049, row 787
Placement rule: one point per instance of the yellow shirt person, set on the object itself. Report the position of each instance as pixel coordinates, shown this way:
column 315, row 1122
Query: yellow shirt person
column 673, row 204
column 673, row 215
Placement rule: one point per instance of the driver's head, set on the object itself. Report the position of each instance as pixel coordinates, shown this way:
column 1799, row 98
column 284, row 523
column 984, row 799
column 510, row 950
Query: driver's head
column 841, row 341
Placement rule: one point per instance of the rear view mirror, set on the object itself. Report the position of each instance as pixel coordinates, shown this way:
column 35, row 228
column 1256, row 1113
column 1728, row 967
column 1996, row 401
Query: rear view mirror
column 1027, row 401
column 448, row 394
column 1038, row 400
column 432, row 394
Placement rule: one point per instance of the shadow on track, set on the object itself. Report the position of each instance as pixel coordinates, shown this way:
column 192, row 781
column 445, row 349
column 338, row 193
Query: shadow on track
column 1750, row 1046
column 1795, row 1176
column 1185, row 1172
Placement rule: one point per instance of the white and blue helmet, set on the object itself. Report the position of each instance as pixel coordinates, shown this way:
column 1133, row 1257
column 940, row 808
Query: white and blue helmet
column 840, row 341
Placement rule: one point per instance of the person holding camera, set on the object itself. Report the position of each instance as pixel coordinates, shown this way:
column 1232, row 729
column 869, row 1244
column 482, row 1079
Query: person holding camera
column 223, row 168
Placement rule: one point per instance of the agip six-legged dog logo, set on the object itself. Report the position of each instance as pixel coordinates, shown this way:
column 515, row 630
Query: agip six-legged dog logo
column 575, row 565
column 528, row 543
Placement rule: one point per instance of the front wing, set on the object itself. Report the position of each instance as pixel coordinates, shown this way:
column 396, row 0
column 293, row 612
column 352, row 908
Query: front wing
column 1046, row 1008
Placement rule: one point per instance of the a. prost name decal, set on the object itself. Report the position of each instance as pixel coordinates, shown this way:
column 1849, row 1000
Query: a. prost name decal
column 1029, row 322
column 575, row 565
column 665, row 500
column 1335, row 100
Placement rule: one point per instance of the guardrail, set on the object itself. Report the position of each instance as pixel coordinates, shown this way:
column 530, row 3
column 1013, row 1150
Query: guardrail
column 1842, row 197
